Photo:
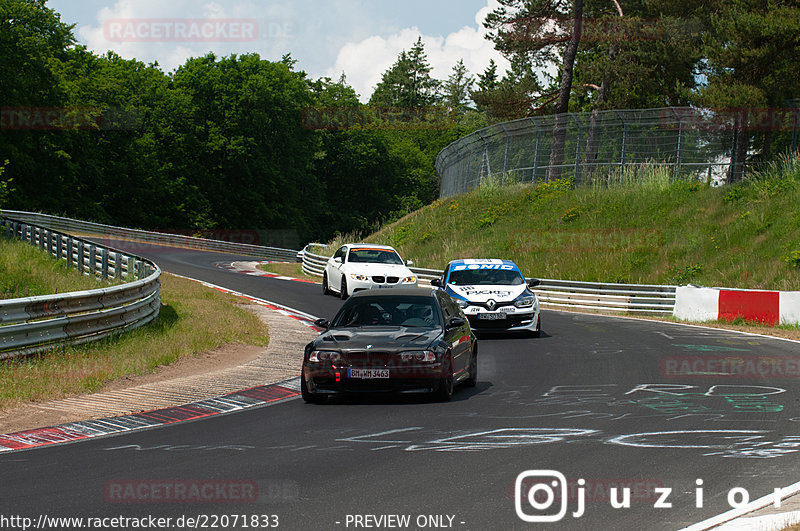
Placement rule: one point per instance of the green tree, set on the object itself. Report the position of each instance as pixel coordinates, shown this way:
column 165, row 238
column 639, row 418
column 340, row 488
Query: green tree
column 408, row 82
column 752, row 52
column 4, row 184
column 457, row 88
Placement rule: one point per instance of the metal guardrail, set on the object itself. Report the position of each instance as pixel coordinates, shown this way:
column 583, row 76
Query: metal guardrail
column 157, row 238
column 629, row 298
column 34, row 324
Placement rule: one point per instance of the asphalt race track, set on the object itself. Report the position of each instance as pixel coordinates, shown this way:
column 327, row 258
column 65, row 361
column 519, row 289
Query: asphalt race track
column 594, row 398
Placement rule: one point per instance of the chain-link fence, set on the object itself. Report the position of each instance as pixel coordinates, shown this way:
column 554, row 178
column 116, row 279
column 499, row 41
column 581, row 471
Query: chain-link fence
column 691, row 142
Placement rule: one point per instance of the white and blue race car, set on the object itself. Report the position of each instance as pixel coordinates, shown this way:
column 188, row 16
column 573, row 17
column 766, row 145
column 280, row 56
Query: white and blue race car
column 494, row 295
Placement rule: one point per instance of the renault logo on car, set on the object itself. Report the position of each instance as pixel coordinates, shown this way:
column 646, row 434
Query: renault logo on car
column 491, row 304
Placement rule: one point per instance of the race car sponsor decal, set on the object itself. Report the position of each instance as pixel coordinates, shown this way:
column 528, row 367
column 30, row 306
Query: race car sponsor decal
column 481, row 292
column 504, row 267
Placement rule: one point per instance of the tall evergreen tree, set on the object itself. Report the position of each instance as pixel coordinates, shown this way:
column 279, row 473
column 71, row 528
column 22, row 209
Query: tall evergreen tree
column 753, row 56
column 457, row 88
column 408, row 82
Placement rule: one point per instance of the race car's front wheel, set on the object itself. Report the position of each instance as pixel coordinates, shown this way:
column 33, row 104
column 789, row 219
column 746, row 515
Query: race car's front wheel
column 308, row 396
column 446, row 383
column 325, row 289
column 472, row 380
column 344, row 288
column 538, row 331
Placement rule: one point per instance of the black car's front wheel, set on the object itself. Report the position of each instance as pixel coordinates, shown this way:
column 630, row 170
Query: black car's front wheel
column 446, row 383
column 308, row 396
column 472, row 380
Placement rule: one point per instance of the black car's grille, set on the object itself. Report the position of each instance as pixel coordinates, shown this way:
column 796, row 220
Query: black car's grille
column 369, row 360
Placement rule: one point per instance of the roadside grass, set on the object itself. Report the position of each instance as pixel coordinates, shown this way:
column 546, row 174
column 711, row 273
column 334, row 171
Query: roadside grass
column 639, row 226
column 26, row 271
column 193, row 319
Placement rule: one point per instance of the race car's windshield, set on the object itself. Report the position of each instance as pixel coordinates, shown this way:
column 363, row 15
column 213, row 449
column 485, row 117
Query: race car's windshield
column 485, row 277
column 374, row 256
column 388, row 311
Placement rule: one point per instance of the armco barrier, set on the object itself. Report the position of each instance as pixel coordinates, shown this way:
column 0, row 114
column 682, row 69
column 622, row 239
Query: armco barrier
column 633, row 298
column 97, row 229
column 695, row 303
column 33, row 324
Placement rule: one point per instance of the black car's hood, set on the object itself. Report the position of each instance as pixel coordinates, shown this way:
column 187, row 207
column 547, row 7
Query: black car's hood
column 384, row 338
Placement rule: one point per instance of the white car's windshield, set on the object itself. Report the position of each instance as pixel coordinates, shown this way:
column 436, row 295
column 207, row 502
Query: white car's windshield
column 374, row 256
column 485, row 277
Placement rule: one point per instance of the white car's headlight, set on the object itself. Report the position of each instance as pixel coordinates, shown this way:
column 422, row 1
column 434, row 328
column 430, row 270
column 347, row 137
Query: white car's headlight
column 462, row 303
column 524, row 302
column 409, row 280
column 355, row 276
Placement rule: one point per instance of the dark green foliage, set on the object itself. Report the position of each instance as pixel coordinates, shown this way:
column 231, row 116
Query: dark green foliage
column 221, row 143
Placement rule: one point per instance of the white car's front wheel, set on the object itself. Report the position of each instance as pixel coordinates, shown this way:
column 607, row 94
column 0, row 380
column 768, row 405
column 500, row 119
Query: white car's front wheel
column 344, row 288
column 326, row 290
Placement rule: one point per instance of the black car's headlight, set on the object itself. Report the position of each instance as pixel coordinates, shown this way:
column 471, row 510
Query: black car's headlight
column 525, row 302
column 427, row 356
column 324, row 355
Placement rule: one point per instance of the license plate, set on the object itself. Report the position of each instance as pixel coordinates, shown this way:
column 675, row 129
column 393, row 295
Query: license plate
column 384, row 286
column 491, row 316
column 367, row 373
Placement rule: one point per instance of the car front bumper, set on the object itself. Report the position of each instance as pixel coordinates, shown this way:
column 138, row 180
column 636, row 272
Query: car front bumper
column 527, row 321
column 325, row 378
column 354, row 285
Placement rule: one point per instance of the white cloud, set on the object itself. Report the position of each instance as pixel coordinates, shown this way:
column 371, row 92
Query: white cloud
column 327, row 38
column 365, row 61
column 267, row 33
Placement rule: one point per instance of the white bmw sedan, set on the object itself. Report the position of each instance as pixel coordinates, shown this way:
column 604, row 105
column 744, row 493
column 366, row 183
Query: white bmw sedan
column 359, row 266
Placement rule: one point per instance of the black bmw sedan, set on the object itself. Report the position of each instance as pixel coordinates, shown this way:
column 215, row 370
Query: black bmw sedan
column 400, row 340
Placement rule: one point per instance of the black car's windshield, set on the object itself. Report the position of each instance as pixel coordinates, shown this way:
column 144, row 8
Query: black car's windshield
column 485, row 277
column 388, row 311
column 374, row 256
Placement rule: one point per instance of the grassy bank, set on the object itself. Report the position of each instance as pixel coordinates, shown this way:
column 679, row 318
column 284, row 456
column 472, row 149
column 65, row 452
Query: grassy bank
column 26, row 271
column 193, row 319
column 639, row 227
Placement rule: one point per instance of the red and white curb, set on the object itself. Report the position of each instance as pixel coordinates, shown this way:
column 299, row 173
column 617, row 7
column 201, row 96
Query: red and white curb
column 90, row 429
column 251, row 268
column 305, row 318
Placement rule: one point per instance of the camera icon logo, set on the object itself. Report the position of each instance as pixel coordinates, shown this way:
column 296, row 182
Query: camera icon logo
column 539, row 489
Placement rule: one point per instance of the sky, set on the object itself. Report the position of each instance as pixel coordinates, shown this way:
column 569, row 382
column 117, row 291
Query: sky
column 361, row 38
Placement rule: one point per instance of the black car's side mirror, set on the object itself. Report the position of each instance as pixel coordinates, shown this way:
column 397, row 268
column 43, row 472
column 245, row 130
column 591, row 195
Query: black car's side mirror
column 533, row 282
column 436, row 282
column 455, row 322
column 323, row 323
